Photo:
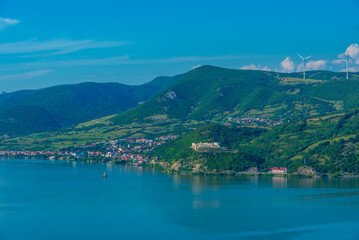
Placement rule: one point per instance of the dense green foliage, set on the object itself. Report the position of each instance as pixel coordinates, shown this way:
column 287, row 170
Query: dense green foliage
column 209, row 93
column 225, row 158
column 74, row 103
column 206, row 95
column 329, row 145
column 26, row 120
column 10, row 98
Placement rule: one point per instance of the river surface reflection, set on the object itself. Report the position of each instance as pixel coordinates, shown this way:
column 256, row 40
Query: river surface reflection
column 70, row 200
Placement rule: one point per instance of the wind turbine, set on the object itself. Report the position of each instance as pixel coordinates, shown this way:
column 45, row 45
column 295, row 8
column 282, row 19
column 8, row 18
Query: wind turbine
column 303, row 63
column 347, row 64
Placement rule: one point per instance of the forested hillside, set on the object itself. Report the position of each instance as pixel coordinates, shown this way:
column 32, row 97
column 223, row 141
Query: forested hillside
column 72, row 104
column 212, row 93
column 329, row 145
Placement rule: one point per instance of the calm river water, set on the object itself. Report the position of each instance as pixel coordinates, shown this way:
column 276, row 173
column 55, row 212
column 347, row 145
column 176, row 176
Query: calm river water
column 70, row 200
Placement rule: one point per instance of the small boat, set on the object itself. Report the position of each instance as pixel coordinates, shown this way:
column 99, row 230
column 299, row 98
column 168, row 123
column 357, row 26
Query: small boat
column 104, row 175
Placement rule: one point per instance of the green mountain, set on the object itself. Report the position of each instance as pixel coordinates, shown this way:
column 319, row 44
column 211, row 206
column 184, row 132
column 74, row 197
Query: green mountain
column 206, row 95
column 10, row 98
column 26, row 120
column 73, row 103
column 212, row 93
column 328, row 145
column 227, row 158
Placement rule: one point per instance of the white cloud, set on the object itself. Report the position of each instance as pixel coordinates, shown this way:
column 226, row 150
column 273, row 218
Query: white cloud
column 26, row 75
column 338, row 61
column 300, row 68
column 353, row 51
column 109, row 61
column 316, row 65
column 250, row 67
column 255, row 67
column 336, row 64
column 266, row 68
column 55, row 47
column 126, row 60
column 5, row 22
column 184, row 59
column 353, row 69
column 287, row 65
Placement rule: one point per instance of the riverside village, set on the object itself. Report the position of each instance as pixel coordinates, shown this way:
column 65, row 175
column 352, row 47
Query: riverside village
column 129, row 151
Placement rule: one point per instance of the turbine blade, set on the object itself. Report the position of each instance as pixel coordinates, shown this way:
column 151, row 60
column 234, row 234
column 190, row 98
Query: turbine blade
column 308, row 57
column 300, row 56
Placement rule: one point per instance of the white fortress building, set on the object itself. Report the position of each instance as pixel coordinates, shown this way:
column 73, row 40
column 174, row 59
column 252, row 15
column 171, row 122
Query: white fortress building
column 198, row 146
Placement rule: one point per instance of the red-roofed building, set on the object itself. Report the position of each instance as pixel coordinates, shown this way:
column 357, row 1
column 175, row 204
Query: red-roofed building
column 278, row 170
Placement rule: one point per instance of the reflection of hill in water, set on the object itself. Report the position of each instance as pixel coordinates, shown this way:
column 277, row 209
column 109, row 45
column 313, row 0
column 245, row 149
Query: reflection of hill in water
column 203, row 183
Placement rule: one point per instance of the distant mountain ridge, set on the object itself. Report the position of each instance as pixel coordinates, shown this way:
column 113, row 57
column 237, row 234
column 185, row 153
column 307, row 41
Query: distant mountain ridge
column 203, row 95
column 23, row 120
column 68, row 104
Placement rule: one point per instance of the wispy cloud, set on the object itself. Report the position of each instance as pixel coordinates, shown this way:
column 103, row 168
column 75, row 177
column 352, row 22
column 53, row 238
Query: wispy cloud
column 338, row 61
column 118, row 60
column 316, row 65
column 186, row 59
column 351, row 69
column 26, row 75
column 6, row 22
column 354, row 69
column 255, row 67
column 55, row 47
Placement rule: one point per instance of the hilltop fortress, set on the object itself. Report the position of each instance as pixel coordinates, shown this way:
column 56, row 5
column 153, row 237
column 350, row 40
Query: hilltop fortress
column 199, row 146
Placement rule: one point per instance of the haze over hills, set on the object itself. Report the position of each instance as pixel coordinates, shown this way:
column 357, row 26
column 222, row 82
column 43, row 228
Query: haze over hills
column 70, row 104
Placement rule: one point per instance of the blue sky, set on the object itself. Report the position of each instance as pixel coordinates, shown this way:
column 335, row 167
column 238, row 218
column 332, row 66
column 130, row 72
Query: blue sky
column 46, row 43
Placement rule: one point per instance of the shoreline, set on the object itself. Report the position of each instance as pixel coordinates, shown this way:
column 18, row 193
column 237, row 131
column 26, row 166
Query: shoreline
column 159, row 168
column 226, row 173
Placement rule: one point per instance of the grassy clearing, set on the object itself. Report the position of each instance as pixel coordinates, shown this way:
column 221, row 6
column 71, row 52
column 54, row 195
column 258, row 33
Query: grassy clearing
column 267, row 111
column 93, row 131
column 345, row 138
column 297, row 81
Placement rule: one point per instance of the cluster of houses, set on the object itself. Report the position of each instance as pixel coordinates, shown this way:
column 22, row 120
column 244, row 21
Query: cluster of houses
column 254, row 121
column 127, row 149
column 34, row 153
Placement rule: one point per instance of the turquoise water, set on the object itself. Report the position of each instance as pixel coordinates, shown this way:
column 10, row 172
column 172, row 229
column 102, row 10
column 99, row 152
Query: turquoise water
column 70, row 200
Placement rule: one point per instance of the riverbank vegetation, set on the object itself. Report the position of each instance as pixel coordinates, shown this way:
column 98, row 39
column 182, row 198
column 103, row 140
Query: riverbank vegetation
column 328, row 145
